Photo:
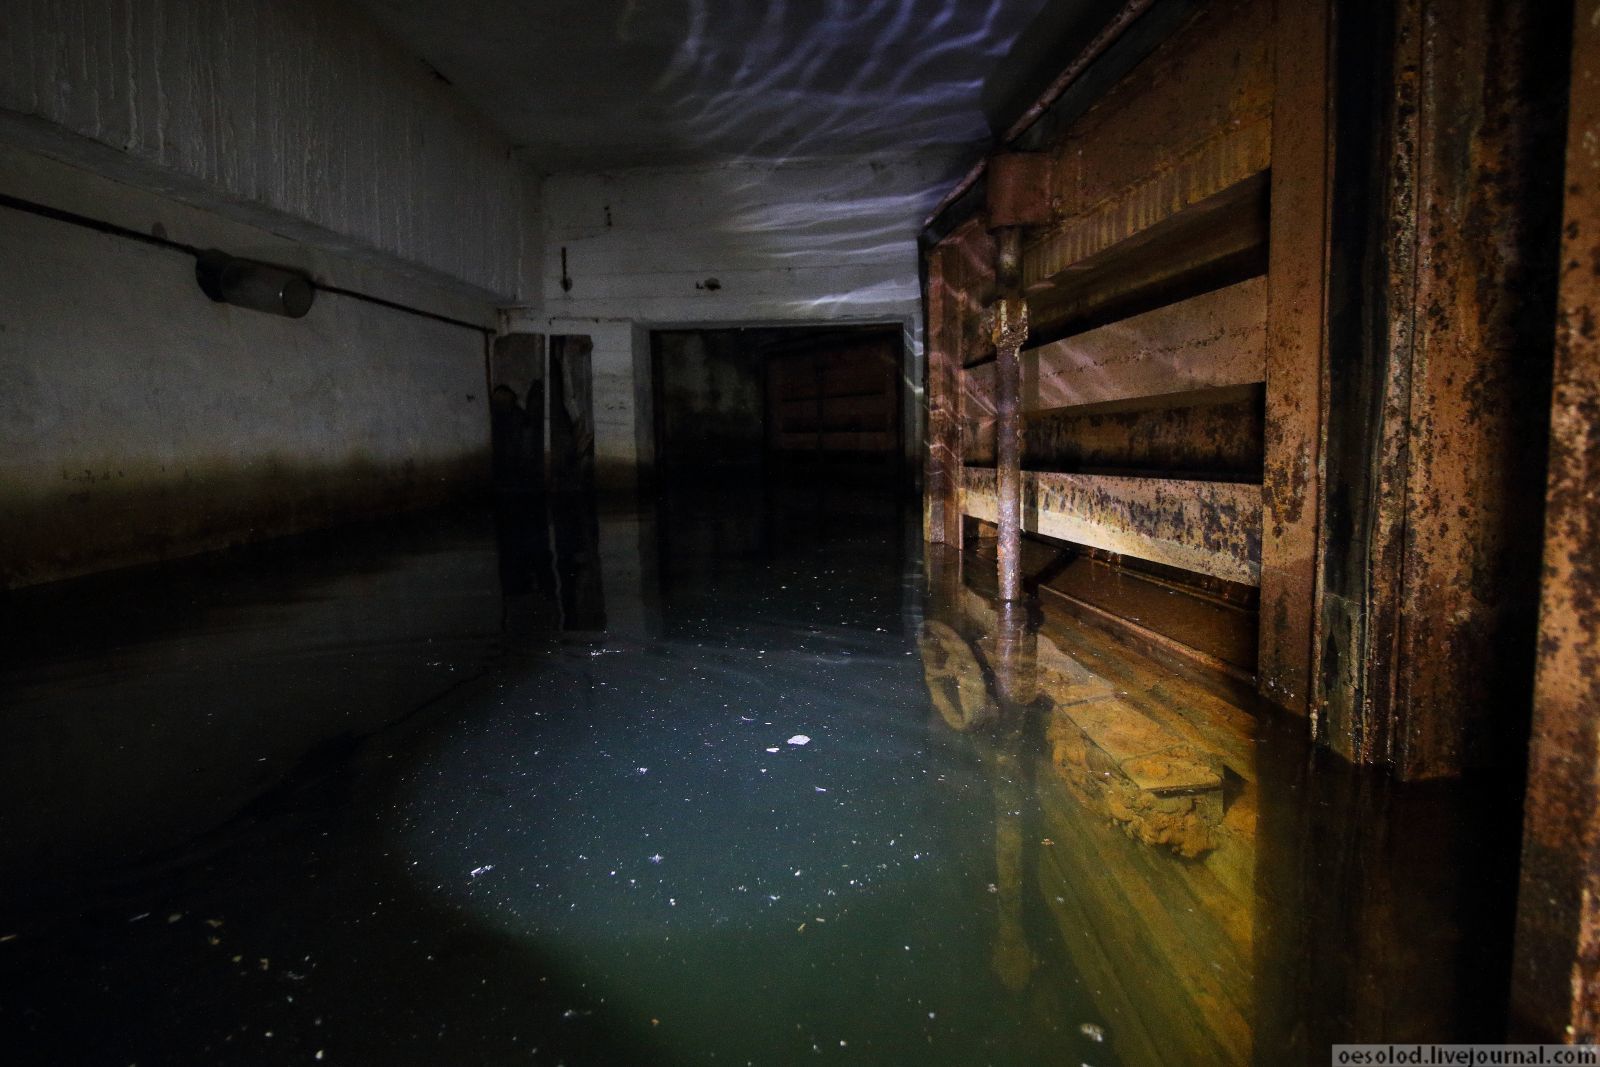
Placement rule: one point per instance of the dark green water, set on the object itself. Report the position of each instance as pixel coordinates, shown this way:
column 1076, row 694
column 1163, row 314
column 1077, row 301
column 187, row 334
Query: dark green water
column 463, row 790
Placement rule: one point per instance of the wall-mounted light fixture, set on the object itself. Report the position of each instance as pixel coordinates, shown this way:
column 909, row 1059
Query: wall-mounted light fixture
column 249, row 284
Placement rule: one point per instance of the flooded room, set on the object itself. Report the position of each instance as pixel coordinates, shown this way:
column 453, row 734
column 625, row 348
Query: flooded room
column 926, row 532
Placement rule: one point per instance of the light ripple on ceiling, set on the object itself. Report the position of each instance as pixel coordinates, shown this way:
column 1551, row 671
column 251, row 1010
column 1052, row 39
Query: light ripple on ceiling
column 620, row 83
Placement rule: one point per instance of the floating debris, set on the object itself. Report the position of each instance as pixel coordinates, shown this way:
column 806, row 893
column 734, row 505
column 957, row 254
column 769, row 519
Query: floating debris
column 485, row 869
column 1092, row 1032
column 799, row 739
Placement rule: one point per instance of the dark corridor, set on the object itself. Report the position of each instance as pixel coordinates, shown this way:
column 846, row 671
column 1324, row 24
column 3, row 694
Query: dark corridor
column 790, row 403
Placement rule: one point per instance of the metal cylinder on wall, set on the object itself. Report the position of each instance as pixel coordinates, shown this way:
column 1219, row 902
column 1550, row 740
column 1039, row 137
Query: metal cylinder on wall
column 249, row 284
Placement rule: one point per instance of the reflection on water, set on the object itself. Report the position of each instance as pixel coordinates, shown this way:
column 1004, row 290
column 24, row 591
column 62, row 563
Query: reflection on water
column 532, row 790
column 1224, row 894
column 1138, row 867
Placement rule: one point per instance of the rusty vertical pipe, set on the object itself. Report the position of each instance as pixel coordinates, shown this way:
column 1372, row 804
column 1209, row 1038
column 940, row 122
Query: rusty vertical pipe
column 1008, row 470
column 1010, row 329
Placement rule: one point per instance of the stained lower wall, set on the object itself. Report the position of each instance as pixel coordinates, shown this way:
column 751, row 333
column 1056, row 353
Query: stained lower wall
column 139, row 421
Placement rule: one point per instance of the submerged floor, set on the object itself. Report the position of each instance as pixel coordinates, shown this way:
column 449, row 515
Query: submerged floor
column 743, row 783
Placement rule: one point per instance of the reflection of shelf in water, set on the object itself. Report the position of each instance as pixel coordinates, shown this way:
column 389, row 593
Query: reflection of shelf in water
column 1146, row 779
column 1180, row 702
column 1164, row 944
column 1165, row 941
column 1328, row 905
column 1145, row 767
column 1221, row 633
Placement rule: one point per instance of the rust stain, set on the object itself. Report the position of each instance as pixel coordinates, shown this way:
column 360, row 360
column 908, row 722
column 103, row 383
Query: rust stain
column 1009, row 330
column 1189, row 102
column 1223, row 160
column 1215, row 434
column 1556, row 986
column 1296, row 350
column 1206, row 527
column 1478, row 403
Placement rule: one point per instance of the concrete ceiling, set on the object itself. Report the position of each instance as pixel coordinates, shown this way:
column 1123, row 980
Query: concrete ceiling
column 617, row 83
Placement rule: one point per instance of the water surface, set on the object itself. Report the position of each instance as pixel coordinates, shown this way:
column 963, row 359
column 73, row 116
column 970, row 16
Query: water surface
column 532, row 788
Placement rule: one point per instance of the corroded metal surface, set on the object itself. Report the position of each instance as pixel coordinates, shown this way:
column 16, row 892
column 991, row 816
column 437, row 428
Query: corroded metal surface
column 1224, row 160
column 1207, row 527
column 1296, row 327
column 1216, row 339
column 1094, row 50
column 1217, row 242
column 1208, row 433
column 1362, row 569
column 1010, row 330
column 960, row 272
column 1113, row 30
column 1019, row 189
column 1214, row 75
column 1556, row 986
column 1488, row 222
column 1213, row 432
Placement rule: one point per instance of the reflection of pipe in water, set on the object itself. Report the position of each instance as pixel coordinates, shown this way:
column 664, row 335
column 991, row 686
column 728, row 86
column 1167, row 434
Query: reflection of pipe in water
column 1015, row 659
column 1131, row 789
column 1014, row 960
column 958, row 689
column 1015, row 664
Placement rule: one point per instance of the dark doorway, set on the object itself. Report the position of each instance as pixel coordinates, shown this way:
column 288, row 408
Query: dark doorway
column 749, row 403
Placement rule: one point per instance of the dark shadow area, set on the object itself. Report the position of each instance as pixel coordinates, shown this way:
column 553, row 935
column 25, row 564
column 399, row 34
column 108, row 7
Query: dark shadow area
column 735, row 407
column 253, row 908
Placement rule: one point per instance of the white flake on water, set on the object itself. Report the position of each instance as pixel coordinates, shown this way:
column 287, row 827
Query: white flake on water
column 485, row 869
column 799, row 739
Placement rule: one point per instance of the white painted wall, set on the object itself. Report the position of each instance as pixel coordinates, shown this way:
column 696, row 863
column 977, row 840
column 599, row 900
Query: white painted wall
column 298, row 115
column 787, row 243
column 140, row 421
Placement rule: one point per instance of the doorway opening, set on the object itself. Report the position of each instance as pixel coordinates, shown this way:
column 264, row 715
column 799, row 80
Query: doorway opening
column 744, row 406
